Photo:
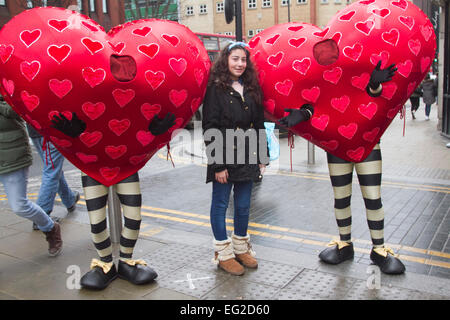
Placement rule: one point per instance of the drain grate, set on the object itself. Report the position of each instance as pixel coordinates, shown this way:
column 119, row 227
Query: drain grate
column 286, row 294
column 204, row 262
column 172, row 257
column 359, row 291
column 272, row 273
column 315, row 284
column 268, row 273
column 240, row 289
column 192, row 281
column 178, row 252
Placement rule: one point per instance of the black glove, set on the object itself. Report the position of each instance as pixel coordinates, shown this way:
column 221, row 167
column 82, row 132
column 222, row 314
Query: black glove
column 72, row 128
column 379, row 76
column 158, row 126
column 297, row 115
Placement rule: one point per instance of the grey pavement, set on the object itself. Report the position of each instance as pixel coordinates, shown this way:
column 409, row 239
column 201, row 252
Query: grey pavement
column 291, row 221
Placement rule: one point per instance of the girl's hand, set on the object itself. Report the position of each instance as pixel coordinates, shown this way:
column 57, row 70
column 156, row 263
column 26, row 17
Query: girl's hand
column 222, row 176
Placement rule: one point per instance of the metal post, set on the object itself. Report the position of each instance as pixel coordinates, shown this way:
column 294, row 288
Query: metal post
column 179, row 11
column 311, row 154
column 289, row 10
column 238, row 14
column 114, row 215
column 444, row 59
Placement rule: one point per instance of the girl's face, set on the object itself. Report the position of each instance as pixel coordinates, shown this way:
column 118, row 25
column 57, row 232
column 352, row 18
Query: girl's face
column 237, row 63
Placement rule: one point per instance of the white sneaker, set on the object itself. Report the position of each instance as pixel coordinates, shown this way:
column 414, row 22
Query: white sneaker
column 448, row 145
column 427, row 118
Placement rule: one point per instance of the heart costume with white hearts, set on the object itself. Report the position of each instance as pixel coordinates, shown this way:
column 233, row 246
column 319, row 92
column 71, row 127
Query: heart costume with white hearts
column 348, row 120
column 108, row 102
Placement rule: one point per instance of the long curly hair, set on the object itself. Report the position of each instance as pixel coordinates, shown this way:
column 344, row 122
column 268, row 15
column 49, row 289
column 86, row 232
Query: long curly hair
column 220, row 75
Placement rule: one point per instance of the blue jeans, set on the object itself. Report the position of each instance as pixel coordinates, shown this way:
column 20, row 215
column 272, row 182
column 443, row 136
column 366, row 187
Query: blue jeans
column 15, row 184
column 219, row 205
column 427, row 109
column 53, row 180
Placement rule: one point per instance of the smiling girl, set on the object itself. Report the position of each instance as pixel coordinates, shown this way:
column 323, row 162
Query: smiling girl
column 233, row 102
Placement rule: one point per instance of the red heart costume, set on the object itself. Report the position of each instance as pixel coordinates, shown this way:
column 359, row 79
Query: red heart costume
column 55, row 60
column 346, row 122
column 108, row 101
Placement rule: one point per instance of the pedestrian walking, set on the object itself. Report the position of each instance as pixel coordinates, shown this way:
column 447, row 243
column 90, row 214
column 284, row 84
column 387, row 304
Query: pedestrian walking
column 15, row 160
column 415, row 101
column 233, row 104
column 369, row 173
column 429, row 94
column 53, row 180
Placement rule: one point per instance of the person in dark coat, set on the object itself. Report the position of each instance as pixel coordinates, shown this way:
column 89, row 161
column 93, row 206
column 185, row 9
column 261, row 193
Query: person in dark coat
column 415, row 101
column 234, row 133
column 429, row 94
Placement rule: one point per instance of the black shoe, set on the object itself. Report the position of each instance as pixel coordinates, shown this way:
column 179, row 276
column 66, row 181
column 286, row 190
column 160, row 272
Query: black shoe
column 96, row 279
column 77, row 198
column 137, row 274
column 388, row 264
column 334, row 255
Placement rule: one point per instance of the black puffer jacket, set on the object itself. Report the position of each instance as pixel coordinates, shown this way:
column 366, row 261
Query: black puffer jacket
column 226, row 109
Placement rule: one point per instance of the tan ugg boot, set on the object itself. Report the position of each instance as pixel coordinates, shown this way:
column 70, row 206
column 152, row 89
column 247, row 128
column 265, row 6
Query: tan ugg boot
column 243, row 251
column 225, row 259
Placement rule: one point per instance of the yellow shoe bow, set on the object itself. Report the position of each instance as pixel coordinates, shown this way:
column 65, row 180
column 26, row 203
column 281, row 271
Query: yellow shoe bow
column 106, row 266
column 383, row 251
column 132, row 262
column 340, row 244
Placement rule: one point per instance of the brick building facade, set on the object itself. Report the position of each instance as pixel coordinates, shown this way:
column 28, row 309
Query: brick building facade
column 257, row 15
